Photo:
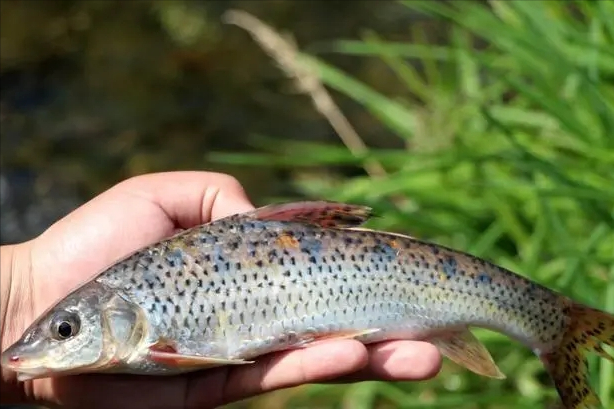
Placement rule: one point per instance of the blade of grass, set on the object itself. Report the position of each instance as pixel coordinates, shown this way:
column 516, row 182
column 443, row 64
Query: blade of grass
column 393, row 114
column 406, row 73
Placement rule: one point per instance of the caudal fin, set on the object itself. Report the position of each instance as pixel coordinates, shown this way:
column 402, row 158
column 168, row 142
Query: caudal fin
column 588, row 331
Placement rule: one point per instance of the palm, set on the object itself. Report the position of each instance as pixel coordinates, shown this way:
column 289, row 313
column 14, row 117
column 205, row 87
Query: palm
column 132, row 215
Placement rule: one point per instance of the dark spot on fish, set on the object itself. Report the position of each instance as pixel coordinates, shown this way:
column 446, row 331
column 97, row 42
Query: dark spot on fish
column 450, row 267
column 272, row 255
column 484, row 278
column 310, row 245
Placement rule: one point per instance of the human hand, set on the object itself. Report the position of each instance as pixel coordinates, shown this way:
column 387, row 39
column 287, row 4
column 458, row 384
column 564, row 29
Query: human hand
column 131, row 215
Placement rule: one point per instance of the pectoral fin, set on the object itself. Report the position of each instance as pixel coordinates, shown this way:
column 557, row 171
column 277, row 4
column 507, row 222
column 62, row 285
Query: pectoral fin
column 325, row 214
column 464, row 348
column 192, row 361
column 164, row 353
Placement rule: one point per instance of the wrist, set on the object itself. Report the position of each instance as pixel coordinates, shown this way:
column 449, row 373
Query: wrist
column 14, row 315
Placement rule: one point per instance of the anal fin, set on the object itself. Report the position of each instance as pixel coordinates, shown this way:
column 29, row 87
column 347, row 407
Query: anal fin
column 463, row 348
column 320, row 213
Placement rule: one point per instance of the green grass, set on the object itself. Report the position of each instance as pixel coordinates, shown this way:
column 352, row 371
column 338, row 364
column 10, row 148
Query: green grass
column 510, row 156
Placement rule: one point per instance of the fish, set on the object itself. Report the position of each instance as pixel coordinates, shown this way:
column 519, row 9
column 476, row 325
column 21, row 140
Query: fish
column 289, row 275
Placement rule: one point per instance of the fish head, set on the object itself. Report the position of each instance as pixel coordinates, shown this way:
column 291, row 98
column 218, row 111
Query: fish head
column 90, row 330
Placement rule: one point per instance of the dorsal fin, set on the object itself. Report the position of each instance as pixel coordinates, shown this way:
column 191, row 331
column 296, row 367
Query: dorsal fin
column 320, row 213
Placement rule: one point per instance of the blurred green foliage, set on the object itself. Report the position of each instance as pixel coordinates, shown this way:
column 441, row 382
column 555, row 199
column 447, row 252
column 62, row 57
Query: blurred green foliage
column 94, row 92
column 508, row 152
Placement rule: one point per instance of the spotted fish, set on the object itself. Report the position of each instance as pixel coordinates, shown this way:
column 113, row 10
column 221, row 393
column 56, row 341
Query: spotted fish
column 286, row 276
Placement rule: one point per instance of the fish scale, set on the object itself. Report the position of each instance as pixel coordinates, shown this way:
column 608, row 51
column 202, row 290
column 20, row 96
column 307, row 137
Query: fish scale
column 287, row 276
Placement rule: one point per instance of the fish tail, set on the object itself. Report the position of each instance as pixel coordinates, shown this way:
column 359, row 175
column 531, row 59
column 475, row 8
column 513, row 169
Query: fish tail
column 588, row 330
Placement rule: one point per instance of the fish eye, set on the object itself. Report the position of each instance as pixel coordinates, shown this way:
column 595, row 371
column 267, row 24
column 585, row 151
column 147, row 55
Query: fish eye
column 65, row 325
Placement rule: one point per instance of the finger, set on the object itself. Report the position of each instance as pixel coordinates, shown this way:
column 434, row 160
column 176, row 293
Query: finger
column 95, row 391
column 190, row 198
column 139, row 205
column 398, row 361
column 317, row 363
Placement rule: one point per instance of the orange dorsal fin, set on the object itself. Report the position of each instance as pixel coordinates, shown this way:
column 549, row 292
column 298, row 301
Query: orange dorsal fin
column 320, row 213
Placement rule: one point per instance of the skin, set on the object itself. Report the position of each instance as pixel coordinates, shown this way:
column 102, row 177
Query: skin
column 130, row 215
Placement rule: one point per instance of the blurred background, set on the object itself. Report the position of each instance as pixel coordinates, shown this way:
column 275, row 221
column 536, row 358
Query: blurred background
column 490, row 126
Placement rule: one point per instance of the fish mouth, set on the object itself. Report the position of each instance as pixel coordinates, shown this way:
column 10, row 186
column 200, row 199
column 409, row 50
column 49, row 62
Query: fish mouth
column 28, row 369
column 39, row 372
column 26, row 372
